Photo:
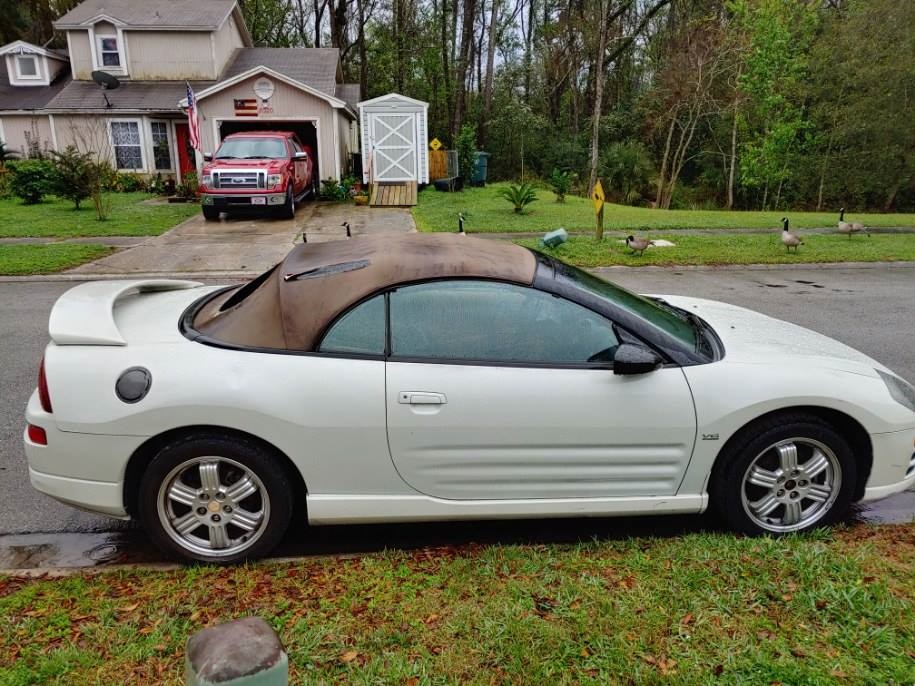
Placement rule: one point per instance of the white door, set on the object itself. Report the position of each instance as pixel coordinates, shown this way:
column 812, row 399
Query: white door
column 502, row 392
column 393, row 141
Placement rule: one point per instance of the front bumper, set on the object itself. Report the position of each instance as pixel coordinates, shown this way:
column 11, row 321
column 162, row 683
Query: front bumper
column 893, row 470
column 253, row 200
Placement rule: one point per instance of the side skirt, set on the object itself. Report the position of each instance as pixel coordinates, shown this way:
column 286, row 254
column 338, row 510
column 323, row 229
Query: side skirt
column 362, row 509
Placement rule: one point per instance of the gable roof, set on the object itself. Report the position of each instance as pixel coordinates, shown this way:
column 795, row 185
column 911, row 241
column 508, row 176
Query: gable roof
column 20, row 47
column 315, row 67
column 349, row 93
column 136, row 96
column 28, row 98
column 149, row 14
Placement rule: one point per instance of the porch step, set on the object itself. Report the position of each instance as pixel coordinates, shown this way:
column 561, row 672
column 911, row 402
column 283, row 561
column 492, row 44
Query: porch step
column 393, row 194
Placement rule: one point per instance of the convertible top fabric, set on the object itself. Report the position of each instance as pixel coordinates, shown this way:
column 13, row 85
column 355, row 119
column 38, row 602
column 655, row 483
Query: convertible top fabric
column 292, row 305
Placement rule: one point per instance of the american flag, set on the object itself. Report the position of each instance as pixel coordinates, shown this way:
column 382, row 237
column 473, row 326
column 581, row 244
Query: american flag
column 192, row 119
column 245, row 107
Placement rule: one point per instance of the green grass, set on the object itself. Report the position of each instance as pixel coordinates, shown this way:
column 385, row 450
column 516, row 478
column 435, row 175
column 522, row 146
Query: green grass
column 830, row 607
column 711, row 249
column 20, row 260
column 487, row 212
column 57, row 218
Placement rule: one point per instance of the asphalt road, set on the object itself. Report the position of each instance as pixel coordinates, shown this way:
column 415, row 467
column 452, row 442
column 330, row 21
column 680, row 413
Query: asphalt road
column 872, row 309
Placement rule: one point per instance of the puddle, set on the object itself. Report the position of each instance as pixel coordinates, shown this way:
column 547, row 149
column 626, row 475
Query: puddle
column 775, row 285
column 88, row 550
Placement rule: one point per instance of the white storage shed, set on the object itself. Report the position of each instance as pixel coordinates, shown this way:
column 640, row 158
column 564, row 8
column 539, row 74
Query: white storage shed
column 394, row 139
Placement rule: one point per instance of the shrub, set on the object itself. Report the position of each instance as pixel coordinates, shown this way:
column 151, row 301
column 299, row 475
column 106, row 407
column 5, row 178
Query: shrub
column 102, row 178
column 188, row 189
column 5, row 177
column 32, row 180
column 130, row 182
column 561, row 183
column 628, row 167
column 72, row 178
column 519, row 196
column 331, row 189
column 466, row 146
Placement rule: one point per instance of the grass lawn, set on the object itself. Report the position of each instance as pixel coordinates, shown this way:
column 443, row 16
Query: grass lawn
column 57, row 218
column 829, row 607
column 486, row 211
column 20, row 260
column 583, row 251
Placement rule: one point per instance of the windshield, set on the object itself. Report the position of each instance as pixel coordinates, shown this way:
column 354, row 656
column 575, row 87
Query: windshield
column 252, row 148
column 672, row 321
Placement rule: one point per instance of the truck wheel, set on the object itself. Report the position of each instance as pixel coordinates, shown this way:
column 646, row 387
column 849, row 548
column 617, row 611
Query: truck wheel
column 210, row 213
column 288, row 209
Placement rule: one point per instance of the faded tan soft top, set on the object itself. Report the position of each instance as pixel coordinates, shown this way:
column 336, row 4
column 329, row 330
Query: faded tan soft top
column 292, row 305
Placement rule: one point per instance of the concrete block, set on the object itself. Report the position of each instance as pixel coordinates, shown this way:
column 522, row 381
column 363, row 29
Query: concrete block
column 245, row 652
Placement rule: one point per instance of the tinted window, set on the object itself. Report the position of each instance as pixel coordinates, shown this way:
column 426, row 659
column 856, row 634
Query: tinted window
column 495, row 322
column 361, row 330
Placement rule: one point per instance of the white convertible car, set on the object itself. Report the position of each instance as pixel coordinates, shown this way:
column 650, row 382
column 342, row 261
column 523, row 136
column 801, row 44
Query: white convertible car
column 434, row 377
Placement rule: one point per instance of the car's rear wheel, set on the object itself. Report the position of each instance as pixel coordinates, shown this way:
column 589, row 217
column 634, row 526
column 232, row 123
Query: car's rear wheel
column 206, row 498
column 787, row 474
column 210, row 213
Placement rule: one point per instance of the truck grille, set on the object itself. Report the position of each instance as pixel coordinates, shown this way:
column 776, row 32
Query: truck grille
column 240, row 179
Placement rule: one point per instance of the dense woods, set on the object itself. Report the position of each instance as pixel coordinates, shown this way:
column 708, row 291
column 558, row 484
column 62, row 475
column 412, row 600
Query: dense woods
column 679, row 103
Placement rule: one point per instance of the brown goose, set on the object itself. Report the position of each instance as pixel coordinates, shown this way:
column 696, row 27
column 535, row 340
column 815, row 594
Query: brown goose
column 849, row 228
column 789, row 238
column 638, row 244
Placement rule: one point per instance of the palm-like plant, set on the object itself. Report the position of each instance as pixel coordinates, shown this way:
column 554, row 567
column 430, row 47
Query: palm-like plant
column 561, row 182
column 520, row 196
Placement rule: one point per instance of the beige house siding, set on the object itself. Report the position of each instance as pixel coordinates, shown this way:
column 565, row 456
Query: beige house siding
column 220, row 107
column 344, row 142
column 225, row 42
column 14, row 128
column 169, row 55
column 80, row 54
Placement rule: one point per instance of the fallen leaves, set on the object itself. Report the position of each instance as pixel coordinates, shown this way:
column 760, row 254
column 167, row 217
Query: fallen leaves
column 349, row 656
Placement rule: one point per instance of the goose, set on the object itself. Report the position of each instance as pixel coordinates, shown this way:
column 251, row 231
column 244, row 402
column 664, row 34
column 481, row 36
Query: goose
column 461, row 224
column 789, row 238
column 849, row 228
column 348, row 233
column 638, row 244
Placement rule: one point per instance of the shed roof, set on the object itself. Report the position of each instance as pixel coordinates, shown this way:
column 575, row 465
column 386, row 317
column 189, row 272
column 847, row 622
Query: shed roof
column 199, row 14
column 291, row 306
column 135, row 96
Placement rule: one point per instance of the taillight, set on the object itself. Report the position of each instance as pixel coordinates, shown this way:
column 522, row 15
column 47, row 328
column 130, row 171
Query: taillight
column 37, row 435
column 43, row 394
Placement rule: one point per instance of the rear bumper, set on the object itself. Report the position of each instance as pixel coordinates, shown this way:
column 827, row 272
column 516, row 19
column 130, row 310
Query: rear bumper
column 893, row 470
column 242, row 199
column 95, row 496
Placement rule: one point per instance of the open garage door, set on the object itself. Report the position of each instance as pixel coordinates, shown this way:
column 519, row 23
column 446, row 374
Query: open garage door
column 305, row 130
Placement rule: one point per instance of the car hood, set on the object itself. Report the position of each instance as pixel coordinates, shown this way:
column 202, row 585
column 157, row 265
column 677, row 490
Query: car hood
column 750, row 337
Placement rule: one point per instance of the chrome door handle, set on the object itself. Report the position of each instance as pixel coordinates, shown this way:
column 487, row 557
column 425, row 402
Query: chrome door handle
column 421, row 398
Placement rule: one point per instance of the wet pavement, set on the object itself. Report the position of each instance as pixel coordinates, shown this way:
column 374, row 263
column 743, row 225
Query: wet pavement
column 73, row 551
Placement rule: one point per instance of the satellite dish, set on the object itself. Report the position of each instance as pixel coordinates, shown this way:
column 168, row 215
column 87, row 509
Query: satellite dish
column 107, row 82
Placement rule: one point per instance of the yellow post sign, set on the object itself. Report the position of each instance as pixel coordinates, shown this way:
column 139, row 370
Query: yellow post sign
column 435, row 144
column 597, row 197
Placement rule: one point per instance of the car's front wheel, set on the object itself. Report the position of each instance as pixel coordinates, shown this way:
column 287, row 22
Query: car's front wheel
column 788, row 473
column 210, row 213
column 287, row 211
column 208, row 498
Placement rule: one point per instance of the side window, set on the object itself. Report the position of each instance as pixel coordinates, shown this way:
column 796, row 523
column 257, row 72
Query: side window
column 495, row 322
column 361, row 330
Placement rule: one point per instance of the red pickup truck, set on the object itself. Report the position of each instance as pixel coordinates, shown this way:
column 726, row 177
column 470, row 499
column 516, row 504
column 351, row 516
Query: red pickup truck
column 268, row 169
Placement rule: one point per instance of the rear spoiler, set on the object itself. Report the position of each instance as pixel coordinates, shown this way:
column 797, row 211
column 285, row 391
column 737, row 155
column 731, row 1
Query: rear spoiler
column 84, row 315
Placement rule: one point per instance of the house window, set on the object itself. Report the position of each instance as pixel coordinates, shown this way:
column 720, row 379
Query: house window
column 162, row 149
column 108, row 53
column 128, row 149
column 27, row 67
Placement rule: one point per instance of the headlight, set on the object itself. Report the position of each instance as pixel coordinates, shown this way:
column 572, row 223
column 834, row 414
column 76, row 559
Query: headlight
column 206, row 180
column 902, row 392
column 274, row 179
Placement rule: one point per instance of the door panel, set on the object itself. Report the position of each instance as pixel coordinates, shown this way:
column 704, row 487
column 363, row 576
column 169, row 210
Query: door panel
column 394, row 146
column 489, row 432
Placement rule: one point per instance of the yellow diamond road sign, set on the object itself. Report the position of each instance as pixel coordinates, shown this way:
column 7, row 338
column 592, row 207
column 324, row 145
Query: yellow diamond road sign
column 435, row 144
column 597, row 197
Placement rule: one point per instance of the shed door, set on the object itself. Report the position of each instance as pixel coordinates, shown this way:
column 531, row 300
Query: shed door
column 394, row 146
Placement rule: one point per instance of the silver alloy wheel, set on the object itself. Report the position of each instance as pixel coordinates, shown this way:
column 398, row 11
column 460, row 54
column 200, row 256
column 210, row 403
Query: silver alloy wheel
column 213, row 506
column 791, row 484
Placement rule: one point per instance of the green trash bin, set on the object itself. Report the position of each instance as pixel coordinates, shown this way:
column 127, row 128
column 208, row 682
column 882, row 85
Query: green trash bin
column 480, row 168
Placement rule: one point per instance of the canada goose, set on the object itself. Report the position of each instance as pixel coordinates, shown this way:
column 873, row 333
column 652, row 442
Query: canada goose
column 849, row 228
column 637, row 244
column 461, row 224
column 790, row 239
column 348, row 234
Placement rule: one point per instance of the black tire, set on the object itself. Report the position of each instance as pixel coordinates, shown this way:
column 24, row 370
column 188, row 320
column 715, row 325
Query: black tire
column 210, row 213
column 235, row 455
column 756, row 445
column 287, row 211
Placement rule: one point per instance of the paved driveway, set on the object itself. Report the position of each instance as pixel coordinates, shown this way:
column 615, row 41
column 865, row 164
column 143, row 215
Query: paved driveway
column 244, row 243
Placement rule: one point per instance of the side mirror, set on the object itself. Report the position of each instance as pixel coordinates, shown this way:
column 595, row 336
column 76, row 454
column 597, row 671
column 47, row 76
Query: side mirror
column 300, row 156
column 207, row 157
column 635, row 359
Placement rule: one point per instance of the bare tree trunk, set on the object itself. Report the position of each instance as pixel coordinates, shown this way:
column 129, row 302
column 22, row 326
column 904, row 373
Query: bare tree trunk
column 733, row 164
column 486, row 112
column 319, row 19
column 529, row 49
column 598, row 92
column 363, row 53
column 664, row 159
column 464, row 63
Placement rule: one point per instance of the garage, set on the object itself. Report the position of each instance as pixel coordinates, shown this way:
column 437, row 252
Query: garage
column 305, row 130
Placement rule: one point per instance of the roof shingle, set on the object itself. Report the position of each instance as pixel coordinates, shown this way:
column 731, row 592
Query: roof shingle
column 28, row 97
column 199, row 14
column 315, row 67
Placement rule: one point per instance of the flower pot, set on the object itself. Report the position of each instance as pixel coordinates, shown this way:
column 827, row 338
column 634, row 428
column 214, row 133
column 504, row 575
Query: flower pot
column 361, row 199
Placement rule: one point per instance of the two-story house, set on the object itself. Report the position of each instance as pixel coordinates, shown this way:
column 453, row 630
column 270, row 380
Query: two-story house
column 49, row 99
